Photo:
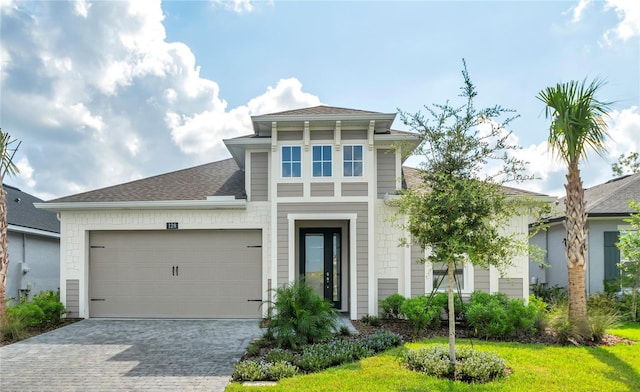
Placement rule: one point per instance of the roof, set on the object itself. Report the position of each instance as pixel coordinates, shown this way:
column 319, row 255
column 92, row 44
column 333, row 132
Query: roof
column 411, row 177
column 21, row 212
column 221, row 178
column 322, row 109
column 612, row 197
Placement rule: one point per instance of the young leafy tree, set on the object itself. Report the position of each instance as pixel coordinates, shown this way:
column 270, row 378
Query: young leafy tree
column 629, row 246
column 8, row 148
column 459, row 212
column 629, row 163
column 577, row 125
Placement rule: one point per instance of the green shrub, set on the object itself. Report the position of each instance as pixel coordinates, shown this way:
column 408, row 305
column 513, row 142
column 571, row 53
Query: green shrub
column 553, row 296
column 541, row 312
column 600, row 321
column 391, row 306
column 13, row 330
column 51, row 306
column 471, row 366
column 300, row 316
column 370, row 320
column 279, row 355
column 562, row 330
column 494, row 316
column 381, row 340
column 602, row 302
column 250, row 371
column 421, row 313
column 279, row 370
column 28, row 313
column 478, row 366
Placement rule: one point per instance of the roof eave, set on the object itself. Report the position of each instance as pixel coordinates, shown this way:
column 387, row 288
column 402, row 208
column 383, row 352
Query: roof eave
column 33, row 231
column 223, row 203
column 321, row 117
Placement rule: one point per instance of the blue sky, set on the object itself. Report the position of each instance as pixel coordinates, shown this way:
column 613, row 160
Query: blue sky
column 107, row 92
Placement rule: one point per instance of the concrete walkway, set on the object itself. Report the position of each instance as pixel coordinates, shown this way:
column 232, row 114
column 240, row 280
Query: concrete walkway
column 128, row 355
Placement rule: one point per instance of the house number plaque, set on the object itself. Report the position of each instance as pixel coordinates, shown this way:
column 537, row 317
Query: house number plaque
column 172, row 225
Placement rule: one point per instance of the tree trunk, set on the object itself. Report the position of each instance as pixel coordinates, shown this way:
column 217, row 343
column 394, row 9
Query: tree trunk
column 4, row 257
column 575, row 224
column 452, row 315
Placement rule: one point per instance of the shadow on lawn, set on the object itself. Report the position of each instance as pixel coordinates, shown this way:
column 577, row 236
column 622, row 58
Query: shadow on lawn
column 618, row 370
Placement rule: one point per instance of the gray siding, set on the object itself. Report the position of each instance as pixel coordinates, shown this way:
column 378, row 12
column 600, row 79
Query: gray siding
column 481, row 278
column 512, row 287
column 289, row 190
column 322, row 189
column 259, row 176
column 322, row 135
column 73, row 298
column 290, row 135
column 355, row 189
column 417, row 272
column 362, row 227
column 354, row 135
column 386, row 172
column 41, row 256
column 386, row 287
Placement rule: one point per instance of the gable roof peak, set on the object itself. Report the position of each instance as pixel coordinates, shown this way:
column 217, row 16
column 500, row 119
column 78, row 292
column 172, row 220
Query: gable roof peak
column 320, row 110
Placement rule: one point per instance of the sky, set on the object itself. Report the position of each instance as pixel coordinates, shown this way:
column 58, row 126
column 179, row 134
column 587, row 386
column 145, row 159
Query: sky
column 106, row 92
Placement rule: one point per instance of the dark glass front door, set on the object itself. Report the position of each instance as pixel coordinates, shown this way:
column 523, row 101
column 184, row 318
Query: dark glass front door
column 320, row 261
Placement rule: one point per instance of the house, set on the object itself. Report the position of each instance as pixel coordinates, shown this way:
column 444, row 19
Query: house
column 606, row 207
column 306, row 194
column 33, row 245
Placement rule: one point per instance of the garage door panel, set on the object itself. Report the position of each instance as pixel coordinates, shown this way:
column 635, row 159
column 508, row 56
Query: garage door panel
column 217, row 272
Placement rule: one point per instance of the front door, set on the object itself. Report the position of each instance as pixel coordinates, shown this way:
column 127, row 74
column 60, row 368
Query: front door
column 320, row 261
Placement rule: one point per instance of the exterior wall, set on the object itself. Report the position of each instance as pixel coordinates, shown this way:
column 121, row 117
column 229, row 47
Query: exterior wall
column 481, row 279
column 595, row 250
column 386, row 287
column 386, row 172
column 290, row 190
column 41, row 256
column 259, row 176
column 322, row 189
column 76, row 225
column 355, row 189
column 418, row 272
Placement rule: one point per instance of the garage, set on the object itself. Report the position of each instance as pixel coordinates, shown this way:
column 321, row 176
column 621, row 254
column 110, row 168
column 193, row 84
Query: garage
column 175, row 274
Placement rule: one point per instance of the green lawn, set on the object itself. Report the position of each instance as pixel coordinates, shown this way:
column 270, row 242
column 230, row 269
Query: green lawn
column 536, row 367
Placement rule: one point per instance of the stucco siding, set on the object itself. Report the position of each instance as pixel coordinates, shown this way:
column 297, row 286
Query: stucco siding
column 259, row 176
column 39, row 257
column 386, row 172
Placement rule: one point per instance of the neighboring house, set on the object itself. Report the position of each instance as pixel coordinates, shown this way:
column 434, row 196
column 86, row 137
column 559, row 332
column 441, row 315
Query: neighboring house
column 607, row 207
column 34, row 246
column 305, row 195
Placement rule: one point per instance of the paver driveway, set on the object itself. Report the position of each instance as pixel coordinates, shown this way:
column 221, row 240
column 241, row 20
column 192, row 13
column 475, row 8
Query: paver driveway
column 128, row 355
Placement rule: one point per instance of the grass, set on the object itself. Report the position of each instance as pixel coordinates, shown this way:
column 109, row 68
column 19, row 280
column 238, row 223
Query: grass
column 535, row 367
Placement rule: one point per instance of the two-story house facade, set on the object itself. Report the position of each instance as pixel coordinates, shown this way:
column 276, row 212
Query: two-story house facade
column 306, row 195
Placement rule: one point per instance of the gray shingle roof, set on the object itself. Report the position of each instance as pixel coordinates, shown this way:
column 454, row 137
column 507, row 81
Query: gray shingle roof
column 221, row 178
column 322, row 109
column 411, row 179
column 21, row 212
column 612, row 197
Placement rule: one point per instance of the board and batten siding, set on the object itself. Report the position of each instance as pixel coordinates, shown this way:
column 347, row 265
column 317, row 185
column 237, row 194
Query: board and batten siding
column 362, row 242
column 512, row 287
column 322, row 189
column 290, row 190
column 386, row 172
column 355, row 189
column 481, row 279
column 259, row 176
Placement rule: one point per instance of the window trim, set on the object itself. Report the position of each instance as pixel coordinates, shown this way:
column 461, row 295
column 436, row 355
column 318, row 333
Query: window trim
column 282, row 162
column 467, row 276
column 353, row 161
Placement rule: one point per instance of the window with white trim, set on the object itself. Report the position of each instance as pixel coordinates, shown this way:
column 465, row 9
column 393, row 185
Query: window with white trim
column 291, row 161
column 321, row 161
column 437, row 273
column 352, row 161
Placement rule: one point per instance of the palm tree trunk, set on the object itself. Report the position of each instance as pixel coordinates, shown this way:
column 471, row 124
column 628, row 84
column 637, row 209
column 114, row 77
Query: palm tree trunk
column 575, row 224
column 452, row 315
column 4, row 257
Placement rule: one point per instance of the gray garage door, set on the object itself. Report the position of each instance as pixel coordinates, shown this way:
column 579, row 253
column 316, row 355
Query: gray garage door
column 177, row 274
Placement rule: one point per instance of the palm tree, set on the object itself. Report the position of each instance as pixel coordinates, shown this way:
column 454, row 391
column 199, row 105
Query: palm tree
column 7, row 167
column 577, row 125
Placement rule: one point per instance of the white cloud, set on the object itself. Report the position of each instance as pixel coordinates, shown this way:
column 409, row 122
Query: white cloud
column 118, row 104
column 25, row 171
column 578, row 10
column 628, row 12
column 237, row 6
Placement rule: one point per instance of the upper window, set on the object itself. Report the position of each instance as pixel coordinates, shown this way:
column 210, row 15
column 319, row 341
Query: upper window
column 441, row 279
column 322, row 161
column 352, row 161
column 291, row 166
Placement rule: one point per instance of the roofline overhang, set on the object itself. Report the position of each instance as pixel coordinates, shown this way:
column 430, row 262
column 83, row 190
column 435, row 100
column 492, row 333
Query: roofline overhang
column 31, row 230
column 592, row 216
column 323, row 117
column 213, row 204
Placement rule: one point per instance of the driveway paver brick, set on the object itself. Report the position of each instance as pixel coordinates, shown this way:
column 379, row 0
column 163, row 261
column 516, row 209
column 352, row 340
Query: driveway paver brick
column 128, row 355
